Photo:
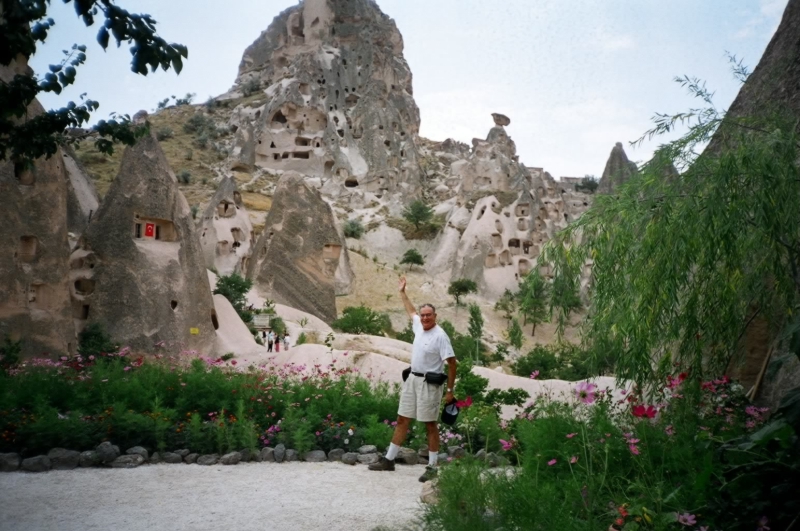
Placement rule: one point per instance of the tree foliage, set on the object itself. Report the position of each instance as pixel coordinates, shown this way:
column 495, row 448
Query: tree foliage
column 23, row 26
column 418, row 213
column 514, row 334
column 362, row 320
column 533, row 299
column 460, row 287
column 507, row 303
column 412, row 257
column 234, row 288
column 475, row 326
column 683, row 263
column 353, row 228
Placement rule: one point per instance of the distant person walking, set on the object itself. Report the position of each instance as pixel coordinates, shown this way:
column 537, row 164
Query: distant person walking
column 421, row 395
column 278, row 340
column 286, row 342
column 270, row 340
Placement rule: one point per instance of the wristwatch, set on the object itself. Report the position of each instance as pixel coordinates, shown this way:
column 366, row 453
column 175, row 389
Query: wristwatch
column 449, row 390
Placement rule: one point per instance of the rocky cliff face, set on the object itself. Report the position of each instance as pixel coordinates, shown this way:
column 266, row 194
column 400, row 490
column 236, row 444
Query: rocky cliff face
column 34, row 296
column 226, row 233
column 501, row 215
column 617, row 171
column 300, row 257
column 338, row 101
column 139, row 269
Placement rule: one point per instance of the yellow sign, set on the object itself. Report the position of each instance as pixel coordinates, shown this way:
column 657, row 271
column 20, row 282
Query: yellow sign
column 194, row 331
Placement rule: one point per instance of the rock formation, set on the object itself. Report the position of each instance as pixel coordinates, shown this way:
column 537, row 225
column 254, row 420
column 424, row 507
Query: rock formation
column 34, row 298
column 617, row 171
column 226, row 233
column 82, row 198
column 138, row 269
column 501, row 217
column 337, row 103
column 300, row 255
column 493, row 163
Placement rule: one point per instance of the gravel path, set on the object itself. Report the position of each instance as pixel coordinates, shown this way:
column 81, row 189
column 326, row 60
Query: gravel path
column 252, row 496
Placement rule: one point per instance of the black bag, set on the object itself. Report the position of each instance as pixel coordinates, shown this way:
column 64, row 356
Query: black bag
column 450, row 413
column 435, row 378
column 406, row 373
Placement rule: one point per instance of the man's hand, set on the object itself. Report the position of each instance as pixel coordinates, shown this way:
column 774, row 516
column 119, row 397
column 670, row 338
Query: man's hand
column 448, row 398
column 402, row 285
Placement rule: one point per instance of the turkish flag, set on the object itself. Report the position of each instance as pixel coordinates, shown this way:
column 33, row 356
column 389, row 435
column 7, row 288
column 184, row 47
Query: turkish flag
column 149, row 230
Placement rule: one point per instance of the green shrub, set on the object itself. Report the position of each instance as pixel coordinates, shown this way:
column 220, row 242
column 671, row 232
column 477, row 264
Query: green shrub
column 184, row 176
column 362, row 320
column 353, row 228
column 563, row 361
column 250, row 87
column 234, row 288
column 195, row 209
column 94, row 341
column 9, row 353
column 301, row 339
column 588, row 184
column 164, row 133
column 412, row 257
column 418, row 213
column 460, row 287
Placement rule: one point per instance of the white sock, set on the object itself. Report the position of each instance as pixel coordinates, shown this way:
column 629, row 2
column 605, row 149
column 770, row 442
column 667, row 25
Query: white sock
column 392, row 452
column 433, row 457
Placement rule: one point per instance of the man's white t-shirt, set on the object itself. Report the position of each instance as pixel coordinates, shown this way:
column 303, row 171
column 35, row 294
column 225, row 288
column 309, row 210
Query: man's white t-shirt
column 430, row 349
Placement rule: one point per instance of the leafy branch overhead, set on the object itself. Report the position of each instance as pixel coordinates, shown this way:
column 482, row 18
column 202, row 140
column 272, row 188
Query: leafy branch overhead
column 25, row 136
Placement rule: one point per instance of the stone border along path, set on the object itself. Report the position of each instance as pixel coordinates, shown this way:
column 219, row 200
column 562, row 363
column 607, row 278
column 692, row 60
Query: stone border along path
column 318, row 494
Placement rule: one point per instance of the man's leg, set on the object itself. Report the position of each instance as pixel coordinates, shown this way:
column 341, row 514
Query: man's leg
column 400, row 431
column 433, row 441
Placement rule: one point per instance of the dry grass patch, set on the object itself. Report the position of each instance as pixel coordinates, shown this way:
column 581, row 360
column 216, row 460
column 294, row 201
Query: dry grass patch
column 256, row 202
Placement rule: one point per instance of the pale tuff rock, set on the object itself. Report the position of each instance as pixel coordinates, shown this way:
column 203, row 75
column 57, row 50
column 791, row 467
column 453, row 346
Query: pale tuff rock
column 617, row 171
column 501, row 119
column 34, row 299
column 337, row 104
column 226, row 233
column 139, row 268
column 82, row 198
column 300, row 250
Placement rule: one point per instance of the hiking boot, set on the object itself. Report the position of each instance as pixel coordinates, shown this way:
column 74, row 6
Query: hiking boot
column 430, row 473
column 383, row 464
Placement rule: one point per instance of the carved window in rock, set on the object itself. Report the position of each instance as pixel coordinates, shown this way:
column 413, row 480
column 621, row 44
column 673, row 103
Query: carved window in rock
column 526, row 247
column 351, row 182
column 331, row 252
column 154, row 229
column 524, row 267
column 41, row 296
column 28, row 246
column 491, row 260
column 238, row 234
column 481, row 212
column 498, row 225
column 223, row 248
column 226, row 209
column 237, row 199
column 302, row 141
column 351, row 100
column 84, row 286
column 505, row 258
column 522, row 224
column 278, row 119
column 214, row 321
column 514, row 246
column 497, row 241
column 523, row 209
column 23, row 172
column 301, row 155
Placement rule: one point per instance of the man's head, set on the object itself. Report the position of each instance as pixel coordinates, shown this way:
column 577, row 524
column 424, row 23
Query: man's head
column 427, row 314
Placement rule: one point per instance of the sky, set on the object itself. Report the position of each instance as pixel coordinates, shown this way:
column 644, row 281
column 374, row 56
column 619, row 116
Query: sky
column 574, row 76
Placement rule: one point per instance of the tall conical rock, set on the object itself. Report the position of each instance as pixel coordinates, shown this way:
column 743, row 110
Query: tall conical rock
column 617, row 171
column 226, row 233
column 34, row 292
column 338, row 101
column 139, row 268
column 300, row 255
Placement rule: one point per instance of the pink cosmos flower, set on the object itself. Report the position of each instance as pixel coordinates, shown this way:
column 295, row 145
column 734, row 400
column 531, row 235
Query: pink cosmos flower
column 464, row 403
column 534, row 374
column 687, row 519
column 552, row 462
column 126, row 369
column 507, row 445
column 585, row 392
column 669, row 430
column 571, row 435
column 573, row 459
column 642, row 411
column 634, row 449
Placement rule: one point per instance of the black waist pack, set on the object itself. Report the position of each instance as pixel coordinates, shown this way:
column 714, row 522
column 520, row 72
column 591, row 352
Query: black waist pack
column 435, row 378
column 406, row 373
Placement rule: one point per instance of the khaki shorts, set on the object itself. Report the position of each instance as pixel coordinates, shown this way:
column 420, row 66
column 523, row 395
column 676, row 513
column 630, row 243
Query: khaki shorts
column 420, row 400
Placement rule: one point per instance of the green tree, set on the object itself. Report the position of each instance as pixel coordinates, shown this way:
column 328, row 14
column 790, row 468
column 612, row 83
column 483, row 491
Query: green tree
column 507, row 304
column 23, row 26
column 362, row 320
column 234, row 288
column 475, row 327
column 533, row 299
column 588, row 184
column 412, row 257
column 684, row 262
column 514, row 335
column 353, row 228
column 418, row 213
column 460, row 287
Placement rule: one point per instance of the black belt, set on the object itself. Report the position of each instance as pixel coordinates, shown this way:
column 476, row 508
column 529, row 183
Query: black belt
column 422, row 374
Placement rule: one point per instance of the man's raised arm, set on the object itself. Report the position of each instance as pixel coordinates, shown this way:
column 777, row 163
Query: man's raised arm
column 406, row 302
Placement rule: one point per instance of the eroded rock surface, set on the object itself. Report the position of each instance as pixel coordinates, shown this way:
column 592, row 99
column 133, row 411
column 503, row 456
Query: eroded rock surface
column 337, row 101
column 300, row 250
column 226, row 233
column 617, row 171
column 139, row 268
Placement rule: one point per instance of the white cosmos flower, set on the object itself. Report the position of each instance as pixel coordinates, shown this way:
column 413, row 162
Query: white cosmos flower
column 350, row 432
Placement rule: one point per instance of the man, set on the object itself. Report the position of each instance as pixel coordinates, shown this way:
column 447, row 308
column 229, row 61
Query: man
column 419, row 399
